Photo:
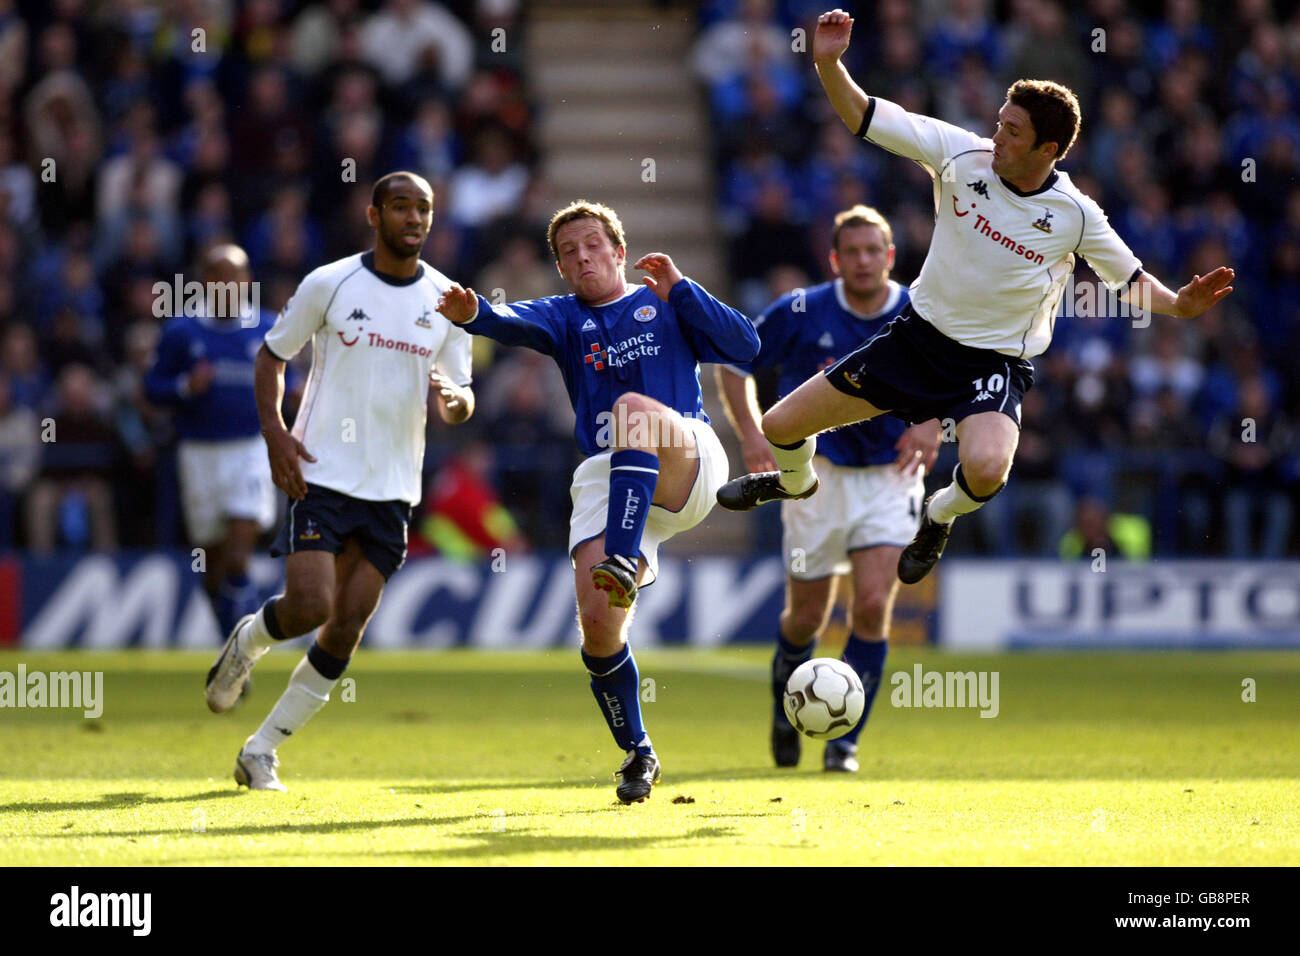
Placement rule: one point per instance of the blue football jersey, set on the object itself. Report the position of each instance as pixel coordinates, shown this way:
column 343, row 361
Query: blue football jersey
column 636, row 343
column 807, row 331
column 228, row 409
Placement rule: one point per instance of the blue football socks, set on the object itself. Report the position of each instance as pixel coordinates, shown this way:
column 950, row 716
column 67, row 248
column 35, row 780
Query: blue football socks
column 616, row 685
column 787, row 657
column 633, row 475
column 868, row 659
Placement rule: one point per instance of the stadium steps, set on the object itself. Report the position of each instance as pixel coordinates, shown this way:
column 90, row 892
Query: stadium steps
column 615, row 88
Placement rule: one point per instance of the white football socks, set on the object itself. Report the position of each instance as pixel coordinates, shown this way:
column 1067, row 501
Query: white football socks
column 307, row 693
column 951, row 501
column 256, row 639
column 797, row 472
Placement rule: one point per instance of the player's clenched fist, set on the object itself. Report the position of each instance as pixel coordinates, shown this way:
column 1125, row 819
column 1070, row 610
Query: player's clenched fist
column 458, row 305
column 663, row 274
column 831, row 38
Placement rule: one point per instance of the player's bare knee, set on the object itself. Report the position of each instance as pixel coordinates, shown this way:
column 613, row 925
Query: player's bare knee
column 868, row 615
column 800, row 625
column 309, row 607
column 985, row 472
column 778, row 428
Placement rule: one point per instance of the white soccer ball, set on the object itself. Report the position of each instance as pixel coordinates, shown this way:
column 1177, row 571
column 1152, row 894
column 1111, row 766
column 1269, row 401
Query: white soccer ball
column 824, row 698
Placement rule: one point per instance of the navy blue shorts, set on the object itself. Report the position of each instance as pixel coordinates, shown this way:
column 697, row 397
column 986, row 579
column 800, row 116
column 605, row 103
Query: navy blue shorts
column 325, row 519
column 912, row 369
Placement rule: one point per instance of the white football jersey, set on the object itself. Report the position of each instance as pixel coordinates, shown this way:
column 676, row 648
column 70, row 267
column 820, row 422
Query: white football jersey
column 375, row 339
column 999, row 260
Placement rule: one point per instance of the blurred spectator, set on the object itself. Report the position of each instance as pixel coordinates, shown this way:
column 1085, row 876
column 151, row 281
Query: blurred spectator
column 316, row 38
column 463, row 517
column 21, row 364
column 1122, row 536
column 1254, row 442
column 20, row 454
column 730, row 46
column 405, row 34
column 521, row 272
column 72, row 500
column 491, row 185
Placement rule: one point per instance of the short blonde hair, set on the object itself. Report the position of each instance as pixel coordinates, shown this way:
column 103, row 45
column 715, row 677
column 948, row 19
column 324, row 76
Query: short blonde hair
column 861, row 215
column 585, row 209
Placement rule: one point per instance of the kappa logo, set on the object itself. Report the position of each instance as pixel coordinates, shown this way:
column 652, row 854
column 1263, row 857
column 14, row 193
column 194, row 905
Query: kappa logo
column 1045, row 223
column 423, row 321
column 979, row 187
column 588, row 326
column 596, row 357
column 826, row 341
column 645, row 313
column 358, row 315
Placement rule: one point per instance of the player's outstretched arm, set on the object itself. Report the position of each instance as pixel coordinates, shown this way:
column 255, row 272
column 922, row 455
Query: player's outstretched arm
column 282, row 449
column 830, row 40
column 1189, row 301
column 458, row 305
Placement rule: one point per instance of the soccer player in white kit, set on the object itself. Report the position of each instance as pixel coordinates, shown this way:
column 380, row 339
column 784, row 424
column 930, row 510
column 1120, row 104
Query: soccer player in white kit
column 1007, row 228
column 352, row 464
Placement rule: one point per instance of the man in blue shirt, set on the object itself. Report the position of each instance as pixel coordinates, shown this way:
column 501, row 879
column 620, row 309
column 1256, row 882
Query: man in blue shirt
column 204, row 369
column 871, row 474
column 630, row 358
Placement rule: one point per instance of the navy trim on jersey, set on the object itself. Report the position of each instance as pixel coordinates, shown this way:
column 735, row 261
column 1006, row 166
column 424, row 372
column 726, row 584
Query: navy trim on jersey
column 1047, row 184
column 866, row 117
column 368, row 260
column 273, row 355
column 1131, row 279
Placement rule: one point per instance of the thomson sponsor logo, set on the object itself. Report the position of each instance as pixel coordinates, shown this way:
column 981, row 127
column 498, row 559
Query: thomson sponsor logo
column 75, row 908
column 55, row 689
column 923, row 688
column 221, row 300
column 397, row 345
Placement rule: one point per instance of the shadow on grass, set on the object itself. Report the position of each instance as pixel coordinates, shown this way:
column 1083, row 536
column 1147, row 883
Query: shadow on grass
column 110, row 801
column 599, row 781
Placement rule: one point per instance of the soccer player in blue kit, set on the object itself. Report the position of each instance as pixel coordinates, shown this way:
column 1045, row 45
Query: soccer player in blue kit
column 204, row 369
column 630, row 358
column 871, row 475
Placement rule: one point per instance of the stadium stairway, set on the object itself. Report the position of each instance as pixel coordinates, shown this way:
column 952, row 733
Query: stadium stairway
column 624, row 122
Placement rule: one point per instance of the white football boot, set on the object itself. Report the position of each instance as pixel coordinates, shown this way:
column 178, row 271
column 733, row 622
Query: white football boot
column 228, row 676
column 257, row 771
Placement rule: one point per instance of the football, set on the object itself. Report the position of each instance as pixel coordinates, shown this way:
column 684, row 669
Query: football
column 824, row 698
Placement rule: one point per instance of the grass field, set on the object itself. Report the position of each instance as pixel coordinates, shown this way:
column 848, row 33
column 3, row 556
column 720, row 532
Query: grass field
column 469, row 758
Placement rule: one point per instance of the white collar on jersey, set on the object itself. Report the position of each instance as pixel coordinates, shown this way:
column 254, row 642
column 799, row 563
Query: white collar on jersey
column 895, row 291
column 628, row 289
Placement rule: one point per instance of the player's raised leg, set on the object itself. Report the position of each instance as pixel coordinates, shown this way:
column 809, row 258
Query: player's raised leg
column 359, row 588
column 875, row 585
column 791, row 427
column 986, row 444
column 653, row 462
column 807, row 606
column 615, row 681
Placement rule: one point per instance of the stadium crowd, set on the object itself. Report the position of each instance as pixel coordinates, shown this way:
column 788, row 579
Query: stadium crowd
column 128, row 146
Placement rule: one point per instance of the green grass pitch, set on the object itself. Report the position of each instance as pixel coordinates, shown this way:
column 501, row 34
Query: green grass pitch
column 466, row 758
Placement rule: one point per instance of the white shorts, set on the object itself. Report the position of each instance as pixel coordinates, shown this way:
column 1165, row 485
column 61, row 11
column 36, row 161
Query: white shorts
column 590, row 494
column 854, row 509
column 222, row 480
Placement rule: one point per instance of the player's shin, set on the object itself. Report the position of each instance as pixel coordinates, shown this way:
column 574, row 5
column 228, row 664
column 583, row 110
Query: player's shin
column 234, row 598
column 633, row 475
column 616, row 685
column 795, row 463
column 788, row 656
column 308, row 691
column 867, row 658
column 956, row 499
